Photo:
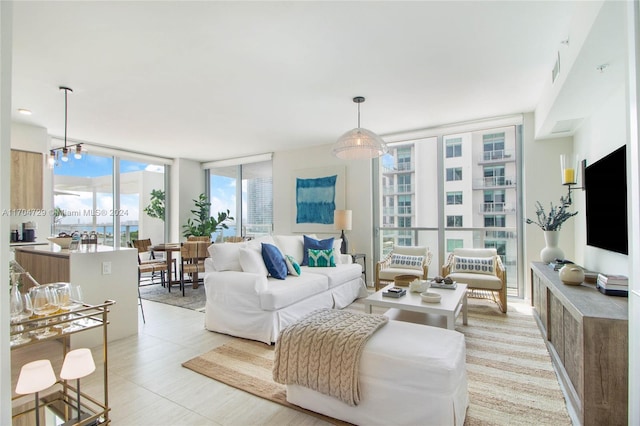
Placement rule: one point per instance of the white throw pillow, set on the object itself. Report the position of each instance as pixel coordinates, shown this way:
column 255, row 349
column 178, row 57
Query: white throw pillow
column 474, row 265
column 226, row 256
column 291, row 245
column 251, row 261
column 406, row 261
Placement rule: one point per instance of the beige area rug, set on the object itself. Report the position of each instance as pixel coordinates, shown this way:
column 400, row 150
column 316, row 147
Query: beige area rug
column 511, row 379
column 193, row 298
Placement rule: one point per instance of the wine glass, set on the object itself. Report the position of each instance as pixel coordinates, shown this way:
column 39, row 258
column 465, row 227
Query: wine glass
column 63, row 290
column 45, row 302
column 75, row 302
column 21, row 309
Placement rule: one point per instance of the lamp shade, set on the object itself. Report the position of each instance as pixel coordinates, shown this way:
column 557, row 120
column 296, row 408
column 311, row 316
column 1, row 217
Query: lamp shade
column 35, row 377
column 342, row 219
column 77, row 364
column 359, row 144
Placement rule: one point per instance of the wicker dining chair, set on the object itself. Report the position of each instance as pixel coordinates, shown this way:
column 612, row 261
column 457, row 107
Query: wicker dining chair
column 192, row 256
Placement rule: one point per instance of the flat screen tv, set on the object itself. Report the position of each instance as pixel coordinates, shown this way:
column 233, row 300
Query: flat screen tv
column 605, row 183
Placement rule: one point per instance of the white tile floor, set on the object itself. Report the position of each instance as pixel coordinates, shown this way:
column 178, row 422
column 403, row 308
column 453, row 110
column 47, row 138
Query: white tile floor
column 149, row 386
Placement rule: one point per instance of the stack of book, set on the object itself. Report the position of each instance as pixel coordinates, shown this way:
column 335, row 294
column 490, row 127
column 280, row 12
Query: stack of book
column 613, row 285
column 395, row 292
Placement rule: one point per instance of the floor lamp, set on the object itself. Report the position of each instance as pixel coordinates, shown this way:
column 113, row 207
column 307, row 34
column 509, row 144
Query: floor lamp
column 77, row 364
column 342, row 221
column 34, row 377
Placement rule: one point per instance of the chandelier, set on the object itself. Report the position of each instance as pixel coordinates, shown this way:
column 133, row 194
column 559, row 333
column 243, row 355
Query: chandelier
column 359, row 143
column 62, row 153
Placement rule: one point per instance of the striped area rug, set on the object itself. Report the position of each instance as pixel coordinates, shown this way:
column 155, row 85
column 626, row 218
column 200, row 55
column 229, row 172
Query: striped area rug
column 511, row 379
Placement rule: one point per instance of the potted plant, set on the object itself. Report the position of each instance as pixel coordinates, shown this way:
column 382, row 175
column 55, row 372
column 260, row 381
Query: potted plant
column 155, row 209
column 551, row 223
column 203, row 223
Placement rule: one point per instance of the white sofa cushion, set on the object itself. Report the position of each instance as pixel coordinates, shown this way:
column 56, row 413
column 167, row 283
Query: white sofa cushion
column 337, row 275
column 282, row 293
column 251, row 261
column 226, row 256
column 482, row 281
column 290, row 245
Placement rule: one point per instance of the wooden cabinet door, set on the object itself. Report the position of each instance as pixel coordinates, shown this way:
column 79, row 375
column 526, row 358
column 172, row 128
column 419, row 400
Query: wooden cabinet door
column 26, row 179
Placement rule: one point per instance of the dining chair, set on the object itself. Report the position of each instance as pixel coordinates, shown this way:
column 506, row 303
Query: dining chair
column 199, row 238
column 147, row 256
column 192, row 256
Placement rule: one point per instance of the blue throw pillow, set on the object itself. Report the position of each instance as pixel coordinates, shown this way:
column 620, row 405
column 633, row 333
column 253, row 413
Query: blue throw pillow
column 312, row 243
column 274, row 261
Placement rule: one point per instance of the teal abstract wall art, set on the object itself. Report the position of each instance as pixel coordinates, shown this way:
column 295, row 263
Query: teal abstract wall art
column 316, row 200
column 315, row 194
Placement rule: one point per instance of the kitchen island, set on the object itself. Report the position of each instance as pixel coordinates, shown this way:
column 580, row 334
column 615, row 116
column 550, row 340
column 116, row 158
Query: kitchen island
column 103, row 273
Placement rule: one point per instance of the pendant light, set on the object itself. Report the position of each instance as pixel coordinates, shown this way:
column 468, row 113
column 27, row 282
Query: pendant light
column 63, row 152
column 359, row 143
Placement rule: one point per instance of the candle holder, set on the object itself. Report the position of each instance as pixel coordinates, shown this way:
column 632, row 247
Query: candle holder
column 570, row 168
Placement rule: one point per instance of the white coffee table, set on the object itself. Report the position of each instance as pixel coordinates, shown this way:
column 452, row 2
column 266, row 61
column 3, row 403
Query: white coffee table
column 452, row 302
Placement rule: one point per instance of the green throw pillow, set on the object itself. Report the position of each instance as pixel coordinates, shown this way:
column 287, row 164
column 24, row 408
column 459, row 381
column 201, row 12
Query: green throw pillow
column 321, row 258
column 292, row 265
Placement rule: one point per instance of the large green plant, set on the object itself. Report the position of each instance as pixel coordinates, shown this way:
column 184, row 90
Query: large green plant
column 156, row 207
column 203, row 223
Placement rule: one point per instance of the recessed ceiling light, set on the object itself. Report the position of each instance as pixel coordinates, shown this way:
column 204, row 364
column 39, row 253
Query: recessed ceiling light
column 24, row 111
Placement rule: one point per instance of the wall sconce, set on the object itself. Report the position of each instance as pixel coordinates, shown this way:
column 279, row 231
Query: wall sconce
column 570, row 167
column 77, row 364
column 342, row 220
column 34, row 377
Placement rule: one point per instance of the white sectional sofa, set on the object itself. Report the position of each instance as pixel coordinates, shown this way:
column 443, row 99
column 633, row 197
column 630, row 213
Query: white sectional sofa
column 244, row 301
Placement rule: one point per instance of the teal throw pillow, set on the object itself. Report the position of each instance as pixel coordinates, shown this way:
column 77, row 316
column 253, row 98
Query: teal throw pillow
column 292, row 265
column 321, row 258
column 274, row 261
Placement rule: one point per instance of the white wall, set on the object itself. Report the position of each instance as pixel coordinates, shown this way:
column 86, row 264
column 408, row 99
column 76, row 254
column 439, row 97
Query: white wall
column 542, row 182
column 6, row 20
column 187, row 182
column 600, row 134
column 358, row 197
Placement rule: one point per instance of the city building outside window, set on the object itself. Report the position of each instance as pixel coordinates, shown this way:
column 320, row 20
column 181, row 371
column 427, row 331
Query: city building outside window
column 454, row 243
column 453, row 147
column 454, row 198
column 454, row 173
column 454, row 221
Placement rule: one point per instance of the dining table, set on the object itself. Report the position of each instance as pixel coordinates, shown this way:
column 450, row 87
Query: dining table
column 168, row 249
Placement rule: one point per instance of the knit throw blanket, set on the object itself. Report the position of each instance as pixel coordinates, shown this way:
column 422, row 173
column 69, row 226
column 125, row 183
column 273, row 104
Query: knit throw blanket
column 322, row 352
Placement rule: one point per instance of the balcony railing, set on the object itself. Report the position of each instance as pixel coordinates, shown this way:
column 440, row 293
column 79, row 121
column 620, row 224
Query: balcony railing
column 498, row 155
column 399, row 167
column 399, row 189
column 494, row 182
column 496, row 208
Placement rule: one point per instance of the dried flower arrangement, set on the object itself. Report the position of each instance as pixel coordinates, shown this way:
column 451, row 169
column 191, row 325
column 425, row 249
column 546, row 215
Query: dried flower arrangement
column 556, row 217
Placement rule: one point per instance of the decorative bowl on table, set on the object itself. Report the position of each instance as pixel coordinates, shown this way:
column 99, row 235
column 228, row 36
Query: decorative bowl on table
column 430, row 297
column 63, row 242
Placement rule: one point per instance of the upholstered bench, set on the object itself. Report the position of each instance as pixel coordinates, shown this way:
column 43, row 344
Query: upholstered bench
column 410, row 374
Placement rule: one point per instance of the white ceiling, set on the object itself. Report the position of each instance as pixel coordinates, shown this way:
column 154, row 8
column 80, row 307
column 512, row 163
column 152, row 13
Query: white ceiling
column 214, row 80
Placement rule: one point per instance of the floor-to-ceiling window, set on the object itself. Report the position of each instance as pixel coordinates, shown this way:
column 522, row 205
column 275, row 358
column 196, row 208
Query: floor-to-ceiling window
column 86, row 200
column 245, row 188
column 460, row 190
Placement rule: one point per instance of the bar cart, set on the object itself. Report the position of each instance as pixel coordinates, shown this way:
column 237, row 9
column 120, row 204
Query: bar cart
column 63, row 403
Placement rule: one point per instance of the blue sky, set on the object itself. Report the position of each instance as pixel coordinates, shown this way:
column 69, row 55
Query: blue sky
column 93, row 166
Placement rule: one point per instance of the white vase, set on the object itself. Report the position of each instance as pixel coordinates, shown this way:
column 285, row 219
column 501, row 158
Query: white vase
column 571, row 274
column 551, row 251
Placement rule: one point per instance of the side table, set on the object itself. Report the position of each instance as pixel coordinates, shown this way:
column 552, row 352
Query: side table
column 363, row 256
